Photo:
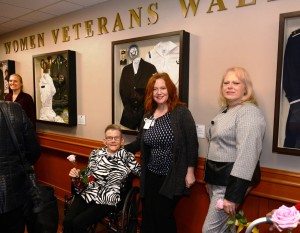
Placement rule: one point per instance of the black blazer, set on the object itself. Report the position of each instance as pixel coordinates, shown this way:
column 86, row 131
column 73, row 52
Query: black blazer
column 132, row 92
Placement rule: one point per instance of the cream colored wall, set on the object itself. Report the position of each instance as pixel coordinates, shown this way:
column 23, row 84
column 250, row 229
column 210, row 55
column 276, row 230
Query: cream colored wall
column 246, row 36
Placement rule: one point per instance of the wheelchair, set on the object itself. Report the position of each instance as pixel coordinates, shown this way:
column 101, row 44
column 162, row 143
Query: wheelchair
column 126, row 217
column 258, row 221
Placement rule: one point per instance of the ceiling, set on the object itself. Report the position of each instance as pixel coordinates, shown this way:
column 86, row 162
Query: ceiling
column 16, row 14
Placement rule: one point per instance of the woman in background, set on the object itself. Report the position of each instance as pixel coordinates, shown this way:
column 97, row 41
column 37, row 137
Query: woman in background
column 235, row 144
column 169, row 150
column 17, row 95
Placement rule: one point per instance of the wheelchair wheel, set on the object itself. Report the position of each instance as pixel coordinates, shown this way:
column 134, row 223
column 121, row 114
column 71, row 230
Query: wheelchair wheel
column 131, row 212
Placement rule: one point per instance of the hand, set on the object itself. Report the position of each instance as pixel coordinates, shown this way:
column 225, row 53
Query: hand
column 271, row 213
column 74, row 172
column 190, row 177
column 271, row 228
column 229, row 207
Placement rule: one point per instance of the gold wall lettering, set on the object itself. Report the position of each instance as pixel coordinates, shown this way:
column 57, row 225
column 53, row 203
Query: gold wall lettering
column 88, row 28
column 32, row 44
column 186, row 5
column 102, row 21
column 16, row 46
column 246, row 3
column 185, row 8
column 135, row 18
column 65, row 34
column 118, row 23
column 76, row 27
column 23, row 43
column 219, row 3
column 152, row 13
column 41, row 40
column 55, row 35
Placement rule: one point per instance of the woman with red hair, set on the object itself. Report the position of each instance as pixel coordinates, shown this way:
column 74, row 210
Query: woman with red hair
column 168, row 144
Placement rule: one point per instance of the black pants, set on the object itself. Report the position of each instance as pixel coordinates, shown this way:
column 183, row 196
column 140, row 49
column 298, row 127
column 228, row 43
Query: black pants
column 81, row 215
column 158, row 210
column 13, row 221
column 292, row 130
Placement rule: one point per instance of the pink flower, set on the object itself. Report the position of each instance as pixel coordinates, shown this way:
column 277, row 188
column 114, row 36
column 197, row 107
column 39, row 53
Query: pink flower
column 286, row 218
column 72, row 159
column 219, row 204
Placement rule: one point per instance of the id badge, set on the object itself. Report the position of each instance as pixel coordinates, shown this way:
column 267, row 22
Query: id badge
column 147, row 123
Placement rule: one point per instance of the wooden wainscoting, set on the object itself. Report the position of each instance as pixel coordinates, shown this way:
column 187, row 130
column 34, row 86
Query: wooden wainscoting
column 276, row 188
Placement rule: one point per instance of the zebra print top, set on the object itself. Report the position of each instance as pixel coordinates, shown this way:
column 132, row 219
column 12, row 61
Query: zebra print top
column 109, row 170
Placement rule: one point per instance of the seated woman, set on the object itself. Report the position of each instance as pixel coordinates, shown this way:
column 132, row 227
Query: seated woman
column 107, row 168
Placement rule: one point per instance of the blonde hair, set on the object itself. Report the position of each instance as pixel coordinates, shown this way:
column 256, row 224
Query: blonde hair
column 20, row 79
column 244, row 77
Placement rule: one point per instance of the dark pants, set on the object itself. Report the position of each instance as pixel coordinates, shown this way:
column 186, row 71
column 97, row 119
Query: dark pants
column 292, row 130
column 81, row 215
column 13, row 221
column 158, row 210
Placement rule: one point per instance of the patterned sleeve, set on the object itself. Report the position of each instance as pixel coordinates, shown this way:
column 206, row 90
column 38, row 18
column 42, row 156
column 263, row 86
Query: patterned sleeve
column 133, row 165
column 250, row 129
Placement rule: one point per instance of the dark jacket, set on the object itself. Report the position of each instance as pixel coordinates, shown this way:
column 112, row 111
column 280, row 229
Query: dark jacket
column 132, row 92
column 12, row 174
column 26, row 101
column 185, row 152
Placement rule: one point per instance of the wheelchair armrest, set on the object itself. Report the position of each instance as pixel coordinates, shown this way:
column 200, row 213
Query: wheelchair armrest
column 257, row 222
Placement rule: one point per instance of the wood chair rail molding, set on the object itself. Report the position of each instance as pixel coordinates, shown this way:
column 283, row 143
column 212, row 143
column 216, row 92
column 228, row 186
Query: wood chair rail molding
column 68, row 144
column 275, row 184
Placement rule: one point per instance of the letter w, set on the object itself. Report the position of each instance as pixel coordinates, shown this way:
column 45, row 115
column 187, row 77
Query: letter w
column 185, row 8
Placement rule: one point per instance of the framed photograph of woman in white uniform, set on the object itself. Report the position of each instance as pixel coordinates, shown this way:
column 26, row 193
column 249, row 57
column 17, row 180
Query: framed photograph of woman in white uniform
column 55, row 88
column 145, row 56
column 286, row 136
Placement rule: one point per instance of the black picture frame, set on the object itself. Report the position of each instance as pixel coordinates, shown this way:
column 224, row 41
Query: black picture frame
column 7, row 67
column 125, row 51
column 55, row 88
column 285, row 139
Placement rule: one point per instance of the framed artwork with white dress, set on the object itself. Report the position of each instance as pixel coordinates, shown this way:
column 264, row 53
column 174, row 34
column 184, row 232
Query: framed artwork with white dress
column 55, row 87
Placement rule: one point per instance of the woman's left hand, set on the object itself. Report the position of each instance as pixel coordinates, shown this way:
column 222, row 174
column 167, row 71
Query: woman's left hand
column 229, row 207
column 190, row 177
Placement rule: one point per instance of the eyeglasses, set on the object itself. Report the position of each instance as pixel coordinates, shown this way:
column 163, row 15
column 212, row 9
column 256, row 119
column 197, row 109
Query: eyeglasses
column 110, row 139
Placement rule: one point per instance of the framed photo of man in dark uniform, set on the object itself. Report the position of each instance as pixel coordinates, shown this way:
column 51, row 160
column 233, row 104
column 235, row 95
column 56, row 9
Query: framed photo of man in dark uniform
column 123, row 56
column 166, row 52
column 286, row 136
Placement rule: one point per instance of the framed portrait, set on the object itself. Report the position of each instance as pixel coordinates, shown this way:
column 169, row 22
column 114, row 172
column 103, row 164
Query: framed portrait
column 286, row 137
column 55, row 87
column 134, row 61
column 7, row 68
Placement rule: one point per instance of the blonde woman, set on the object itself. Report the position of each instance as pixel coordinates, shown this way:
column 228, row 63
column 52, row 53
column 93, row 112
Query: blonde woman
column 17, row 95
column 235, row 142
